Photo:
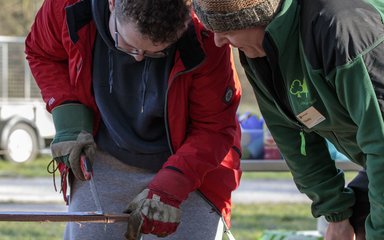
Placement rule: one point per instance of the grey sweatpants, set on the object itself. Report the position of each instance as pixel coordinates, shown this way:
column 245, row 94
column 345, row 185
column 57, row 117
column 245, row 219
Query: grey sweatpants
column 117, row 184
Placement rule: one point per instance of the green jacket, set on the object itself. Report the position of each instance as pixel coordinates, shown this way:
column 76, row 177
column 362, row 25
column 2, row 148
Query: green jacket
column 323, row 58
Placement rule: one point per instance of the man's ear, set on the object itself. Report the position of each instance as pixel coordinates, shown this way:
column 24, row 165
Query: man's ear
column 111, row 5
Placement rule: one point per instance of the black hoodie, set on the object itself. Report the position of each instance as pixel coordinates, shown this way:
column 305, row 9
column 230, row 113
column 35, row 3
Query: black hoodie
column 131, row 97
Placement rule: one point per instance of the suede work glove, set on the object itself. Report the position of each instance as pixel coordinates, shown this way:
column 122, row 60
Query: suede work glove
column 156, row 209
column 73, row 124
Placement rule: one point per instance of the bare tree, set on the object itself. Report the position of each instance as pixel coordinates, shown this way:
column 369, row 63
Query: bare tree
column 17, row 16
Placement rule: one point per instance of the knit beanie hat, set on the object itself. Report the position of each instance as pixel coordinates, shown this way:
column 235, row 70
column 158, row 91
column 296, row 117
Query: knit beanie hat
column 226, row 15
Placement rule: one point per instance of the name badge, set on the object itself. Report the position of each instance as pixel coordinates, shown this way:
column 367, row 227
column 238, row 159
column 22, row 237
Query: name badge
column 310, row 117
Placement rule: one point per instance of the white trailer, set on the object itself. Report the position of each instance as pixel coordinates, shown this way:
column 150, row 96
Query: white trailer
column 26, row 128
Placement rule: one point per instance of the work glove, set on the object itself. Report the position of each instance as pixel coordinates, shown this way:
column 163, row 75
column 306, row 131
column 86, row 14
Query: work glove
column 73, row 124
column 156, row 209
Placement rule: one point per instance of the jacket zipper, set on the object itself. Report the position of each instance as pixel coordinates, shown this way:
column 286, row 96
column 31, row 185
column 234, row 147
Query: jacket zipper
column 144, row 78
column 285, row 102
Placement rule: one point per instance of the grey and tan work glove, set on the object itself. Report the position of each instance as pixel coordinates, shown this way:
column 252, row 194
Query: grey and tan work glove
column 156, row 210
column 73, row 123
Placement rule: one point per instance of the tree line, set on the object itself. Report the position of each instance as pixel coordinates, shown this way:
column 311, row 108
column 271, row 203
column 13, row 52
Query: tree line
column 16, row 16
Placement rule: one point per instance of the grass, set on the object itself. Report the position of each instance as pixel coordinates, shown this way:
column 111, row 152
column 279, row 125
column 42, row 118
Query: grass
column 38, row 168
column 248, row 223
column 31, row 231
column 267, row 175
column 35, row 168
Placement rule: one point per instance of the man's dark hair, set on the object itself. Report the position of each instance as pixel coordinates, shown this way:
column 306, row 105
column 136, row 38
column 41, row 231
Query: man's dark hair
column 159, row 20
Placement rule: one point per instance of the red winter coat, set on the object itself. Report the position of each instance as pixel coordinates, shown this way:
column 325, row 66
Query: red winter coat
column 202, row 125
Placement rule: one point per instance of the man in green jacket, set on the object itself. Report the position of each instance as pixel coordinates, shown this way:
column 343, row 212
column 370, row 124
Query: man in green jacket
column 317, row 69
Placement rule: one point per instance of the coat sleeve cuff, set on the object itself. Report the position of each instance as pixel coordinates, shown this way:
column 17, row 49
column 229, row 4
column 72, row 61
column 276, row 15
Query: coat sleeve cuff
column 337, row 217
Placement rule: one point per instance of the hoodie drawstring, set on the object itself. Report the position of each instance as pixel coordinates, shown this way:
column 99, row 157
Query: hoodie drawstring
column 144, row 78
column 110, row 80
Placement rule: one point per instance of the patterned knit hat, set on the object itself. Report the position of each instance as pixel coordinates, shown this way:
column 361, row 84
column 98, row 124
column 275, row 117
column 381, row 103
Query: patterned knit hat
column 226, row 15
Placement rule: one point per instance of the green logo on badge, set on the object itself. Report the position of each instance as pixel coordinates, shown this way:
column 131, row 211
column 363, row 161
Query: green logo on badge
column 298, row 88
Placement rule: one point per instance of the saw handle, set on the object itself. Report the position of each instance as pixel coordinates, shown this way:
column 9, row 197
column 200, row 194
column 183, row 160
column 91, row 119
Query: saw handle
column 86, row 167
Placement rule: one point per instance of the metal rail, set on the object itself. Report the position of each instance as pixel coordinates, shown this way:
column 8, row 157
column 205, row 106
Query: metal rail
column 62, row 217
column 259, row 165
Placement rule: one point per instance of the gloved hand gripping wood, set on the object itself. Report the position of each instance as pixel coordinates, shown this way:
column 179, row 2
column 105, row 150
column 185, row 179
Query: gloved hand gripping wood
column 156, row 209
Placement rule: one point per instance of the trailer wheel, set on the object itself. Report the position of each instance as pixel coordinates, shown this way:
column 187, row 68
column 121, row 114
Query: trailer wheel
column 21, row 145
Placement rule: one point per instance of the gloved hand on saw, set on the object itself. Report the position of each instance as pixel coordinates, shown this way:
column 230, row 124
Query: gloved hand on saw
column 156, row 209
column 73, row 123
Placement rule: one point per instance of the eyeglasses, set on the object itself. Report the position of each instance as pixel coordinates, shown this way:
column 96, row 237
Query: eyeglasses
column 134, row 51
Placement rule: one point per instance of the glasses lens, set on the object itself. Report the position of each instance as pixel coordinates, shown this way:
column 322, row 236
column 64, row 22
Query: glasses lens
column 128, row 50
column 135, row 52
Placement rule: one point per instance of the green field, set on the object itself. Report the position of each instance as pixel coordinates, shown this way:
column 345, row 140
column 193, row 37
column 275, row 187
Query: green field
column 38, row 168
column 35, row 168
column 31, row 231
column 248, row 221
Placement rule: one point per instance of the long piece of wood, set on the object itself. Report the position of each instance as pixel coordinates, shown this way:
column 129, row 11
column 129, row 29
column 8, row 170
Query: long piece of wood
column 93, row 217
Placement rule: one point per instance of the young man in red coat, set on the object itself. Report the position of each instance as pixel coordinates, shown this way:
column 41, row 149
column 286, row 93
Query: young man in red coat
column 140, row 89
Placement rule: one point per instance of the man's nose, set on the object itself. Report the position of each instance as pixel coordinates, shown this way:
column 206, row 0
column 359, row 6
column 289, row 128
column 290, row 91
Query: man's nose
column 220, row 39
column 139, row 57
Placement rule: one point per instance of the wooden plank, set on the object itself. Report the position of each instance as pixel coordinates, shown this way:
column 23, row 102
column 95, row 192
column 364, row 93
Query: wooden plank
column 93, row 217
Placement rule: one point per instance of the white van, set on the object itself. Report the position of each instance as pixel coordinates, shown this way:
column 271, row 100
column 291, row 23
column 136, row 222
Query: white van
column 26, row 128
